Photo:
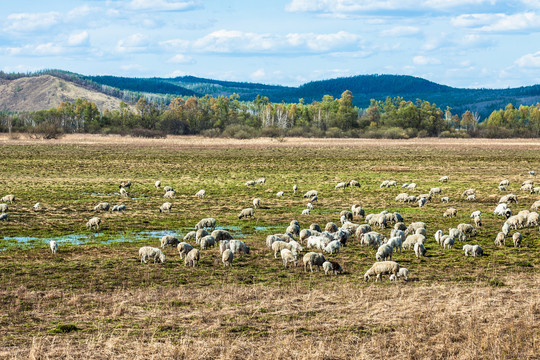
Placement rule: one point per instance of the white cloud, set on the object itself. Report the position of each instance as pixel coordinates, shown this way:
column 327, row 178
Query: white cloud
column 181, row 59
column 45, row 49
column 161, row 5
column 401, row 31
column 177, row 73
column 78, row 39
column 30, row 22
column 133, row 43
column 258, row 75
column 424, row 60
column 529, row 60
column 498, row 22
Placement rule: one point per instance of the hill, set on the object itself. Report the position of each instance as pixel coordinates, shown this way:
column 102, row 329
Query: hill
column 46, row 91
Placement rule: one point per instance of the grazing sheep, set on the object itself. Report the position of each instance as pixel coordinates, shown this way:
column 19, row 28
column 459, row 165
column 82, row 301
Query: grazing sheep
column 438, row 235
column 372, row 238
column 477, row 221
column 4, row 208
column 500, row 209
column 504, row 182
column 357, row 210
column 419, row 250
column 477, row 250
column 502, row 188
column 526, row 187
column 396, row 242
column 413, row 239
column 468, row 192
column 199, row 234
column 332, row 247
column 305, row 212
column 36, row 207
column 279, row 245
column 508, row 198
column 517, row 239
column 8, row 198
column 533, row 219
column 421, row 231
column 317, row 242
column 467, row 249
column 311, row 193
column 443, row 179
column 93, row 222
column 121, row 207
column 280, row 193
column 435, row 190
column 207, row 242
column 505, row 229
column 169, row 240
column 54, row 246
column 169, row 194
column 295, row 188
column 448, row 242
column 415, row 226
column 224, row 245
column 256, row 203
column 123, row 192
column 403, row 273
column 535, row 190
column 227, row 257
column 293, row 228
column 148, row 252
column 471, row 198
column 500, row 240
column 192, row 235
column 384, row 252
column 384, row 184
column 350, row 227
column 289, row 257
column 402, row 197
column 330, row 227
column 315, row 227
column 536, row 205
column 422, row 202
column 3, row 217
column 341, row 185
column 348, row 215
column 201, row 193
column 314, row 198
column 157, row 184
column 206, row 223
column 221, row 235
column 457, row 234
column 183, row 249
column 247, row 212
column 411, row 186
column 353, row 183
column 250, row 183
column 452, row 212
column 332, row 266
column 270, row 239
column 309, row 206
column 238, row 247
column 260, row 180
column 168, row 188
column 192, row 258
column 382, row 268
column 104, row 206
column 165, row 207
column 467, row 229
column 313, row 258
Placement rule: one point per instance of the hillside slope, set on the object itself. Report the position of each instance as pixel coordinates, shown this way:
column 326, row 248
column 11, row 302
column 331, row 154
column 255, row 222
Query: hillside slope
column 45, row 92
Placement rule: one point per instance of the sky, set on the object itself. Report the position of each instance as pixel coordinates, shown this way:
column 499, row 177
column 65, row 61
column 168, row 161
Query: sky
column 460, row 43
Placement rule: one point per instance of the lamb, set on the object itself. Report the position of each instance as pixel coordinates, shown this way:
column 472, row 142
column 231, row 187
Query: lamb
column 280, row 193
column 517, row 239
column 500, row 240
column 508, row 198
column 451, row 212
column 467, row 249
column 54, row 246
column 199, row 234
column 332, row 266
column 457, row 234
column 190, row 236
column 419, row 250
column 4, row 208
column 403, row 273
column 448, row 242
column 93, row 222
column 435, row 190
column 333, row 247
column 357, row 210
column 192, row 258
column 471, row 197
column 382, row 268
column 36, row 207
column 401, row 197
column 411, row 199
column 467, row 229
column 103, row 206
column 169, row 194
column 123, row 192
column 169, row 240
column 505, row 229
column 504, row 182
column 183, row 249
column 341, row 185
column 411, row 186
column 500, row 209
column 295, row 188
column 157, row 184
column 469, row 192
column 305, row 212
column 247, row 212
column 260, row 180
column 3, row 217
column 206, row 223
column 392, row 183
column 201, row 193
column 438, row 235
column 227, row 257
column 311, row 193
column 238, row 247
column 353, row 183
column 443, row 179
column 8, row 198
column 309, row 206
column 477, row 221
column 165, row 207
column 384, row 252
column 289, row 257
column 148, row 252
column 121, row 207
column 207, row 242
column 256, row 203
column 168, row 188
column 221, row 235
column 535, row 205
column 313, row 258
column 422, row 201
column 413, row 239
column 250, row 183
column 384, row 184
column 396, row 242
column 474, row 250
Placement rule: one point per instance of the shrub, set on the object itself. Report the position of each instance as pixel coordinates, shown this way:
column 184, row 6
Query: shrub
column 238, row 131
column 147, row 133
column 211, row 133
column 271, row 132
column 46, row 131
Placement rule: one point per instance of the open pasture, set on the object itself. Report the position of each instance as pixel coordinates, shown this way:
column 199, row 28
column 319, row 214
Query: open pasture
column 95, row 299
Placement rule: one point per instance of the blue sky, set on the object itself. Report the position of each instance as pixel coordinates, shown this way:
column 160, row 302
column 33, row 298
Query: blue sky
column 462, row 43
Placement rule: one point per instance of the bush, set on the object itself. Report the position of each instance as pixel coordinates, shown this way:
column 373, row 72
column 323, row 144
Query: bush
column 271, row 132
column 46, row 131
column 211, row 133
column 237, row 131
column 147, row 133
column 334, row 132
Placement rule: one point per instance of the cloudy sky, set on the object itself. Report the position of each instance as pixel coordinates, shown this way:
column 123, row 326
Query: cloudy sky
column 462, row 43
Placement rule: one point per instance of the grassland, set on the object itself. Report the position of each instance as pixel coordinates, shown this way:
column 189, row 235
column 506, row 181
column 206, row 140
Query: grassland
column 96, row 300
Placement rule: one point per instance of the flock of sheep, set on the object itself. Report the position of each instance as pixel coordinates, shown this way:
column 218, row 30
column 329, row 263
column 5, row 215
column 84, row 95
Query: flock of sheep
column 295, row 241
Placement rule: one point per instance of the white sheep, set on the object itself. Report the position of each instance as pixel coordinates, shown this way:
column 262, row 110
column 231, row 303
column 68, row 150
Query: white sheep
column 533, row 219
column 157, row 184
column 332, row 266
column 199, row 234
column 500, row 239
column 419, row 249
column 435, row 190
column 438, row 235
column 168, row 188
column 4, row 208
column 169, row 240
column 508, row 198
column 206, row 223
column 414, row 226
column 192, row 235
column 471, row 197
column 384, row 252
column 332, row 247
column 403, row 273
column 183, row 249
column 457, row 234
column 169, row 194
column 451, row 212
column 37, row 206
column 227, row 257
column 382, row 268
column 289, row 257
column 315, row 227
column 468, row 192
column 54, row 246
column 103, row 206
column 201, row 193
column 447, row 242
column 372, row 238
column 8, row 198
column 260, row 180
column 165, row 207
column 192, row 258
column 313, row 259
column 248, row 212
column 280, row 193
column 305, row 212
column 413, row 239
column 3, row 217
column 396, row 242
column 505, row 229
column 207, row 242
column 279, row 245
column 256, row 203
column 123, row 192
column 445, row 199
column 477, row 221
column 93, row 222
column 295, row 188
column 467, row 229
column 311, row 193
column 517, row 238
column 121, row 207
column 250, row 183
column 411, row 186
column 341, row 185
column 468, row 249
column 149, row 252
column 238, row 247
column 444, row 179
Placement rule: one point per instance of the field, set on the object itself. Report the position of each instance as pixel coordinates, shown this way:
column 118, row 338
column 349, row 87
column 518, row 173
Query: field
column 94, row 298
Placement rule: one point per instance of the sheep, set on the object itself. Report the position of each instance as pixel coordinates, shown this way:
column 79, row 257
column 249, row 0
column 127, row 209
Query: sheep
column 121, row 207
column 260, row 180
column 330, row 227
column 332, row 247
column 289, row 257
column 508, row 198
column 447, row 242
column 190, row 236
column 467, row 229
column 8, row 198
column 500, row 209
column 36, row 207
column 403, row 273
column 305, row 212
column 381, row 221
column 392, row 183
column 404, row 185
column 471, row 197
column 467, row 249
column 348, row 215
column 527, row 182
column 192, row 258
column 443, row 179
column 148, row 252
column 411, row 186
column 206, row 223
column 414, row 226
column 183, row 249
column 396, row 242
column 201, row 193
column 435, row 190
column 419, row 250
column 279, row 245
column 477, row 250
column 384, row 184
column 287, row 237
column 293, row 229
column 295, row 188
column 207, row 241
column 169, row 240
column 224, row 245
column 500, row 240
column 400, row 226
column 457, row 234
column 309, row 206
column 250, row 183
column 517, row 238
column 54, row 246
column 313, row 258
column 221, row 235
column 103, row 206
column 535, row 205
column 315, row 227
column 438, row 235
column 3, row 217
column 411, row 199
column 4, row 208
column 314, row 198
column 123, row 192
column 502, row 188
column 270, row 239
column 533, row 219
column 341, row 185
column 353, row 183
column 468, row 192
column 357, row 210
column 504, row 182
column 477, row 221
column 317, row 242
column 372, row 238
column 165, row 207
column 451, row 212
column 169, row 194
column 125, row 184
column 514, row 221
column 332, row 266
column 413, row 239
column 280, row 193
column 227, row 257
column 93, row 222
column 350, row 227
column 256, row 203
column 199, row 234
column 421, row 231
column 526, row 187
column 382, row 268
column 384, row 252
column 247, row 212
column 401, row 197
column 311, row 193
column 535, row 190
column 238, row 247
column 157, row 184
column 505, row 229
